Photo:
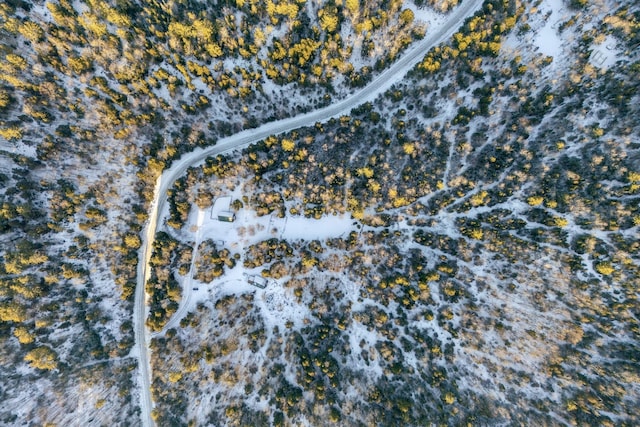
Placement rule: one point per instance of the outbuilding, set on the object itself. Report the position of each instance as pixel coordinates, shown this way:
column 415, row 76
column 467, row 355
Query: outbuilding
column 226, row 216
column 257, row 281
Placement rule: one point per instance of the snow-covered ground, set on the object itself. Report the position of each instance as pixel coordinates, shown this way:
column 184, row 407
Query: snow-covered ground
column 510, row 315
column 249, row 228
column 547, row 38
column 280, row 304
column 605, row 54
column 379, row 85
column 427, row 16
column 246, row 230
column 543, row 33
column 18, row 148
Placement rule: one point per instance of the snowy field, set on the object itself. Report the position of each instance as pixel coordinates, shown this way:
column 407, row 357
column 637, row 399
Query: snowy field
column 246, row 230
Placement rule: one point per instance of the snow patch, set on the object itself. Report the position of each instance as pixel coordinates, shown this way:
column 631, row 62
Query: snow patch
column 605, row 54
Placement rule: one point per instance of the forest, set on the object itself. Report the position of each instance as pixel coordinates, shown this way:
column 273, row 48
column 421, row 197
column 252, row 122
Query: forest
column 491, row 273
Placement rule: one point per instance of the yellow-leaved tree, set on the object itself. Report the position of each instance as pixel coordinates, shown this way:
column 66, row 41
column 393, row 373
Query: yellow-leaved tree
column 352, row 6
column 12, row 312
column 42, row 358
column 288, row 144
column 24, row 335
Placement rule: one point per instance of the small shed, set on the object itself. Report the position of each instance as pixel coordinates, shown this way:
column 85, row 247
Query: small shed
column 226, row 216
column 257, row 281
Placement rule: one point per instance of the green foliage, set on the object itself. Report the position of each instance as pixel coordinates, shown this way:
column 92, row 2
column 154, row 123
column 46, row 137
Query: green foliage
column 164, row 291
column 403, row 161
column 579, row 4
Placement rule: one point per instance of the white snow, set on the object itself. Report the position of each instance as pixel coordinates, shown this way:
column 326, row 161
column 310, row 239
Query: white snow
column 249, row 229
column 605, row 54
column 41, row 11
column 379, row 85
column 547, row 38
column 221, row 204
column 19, row 148
column 426, row 15
column 308, row 229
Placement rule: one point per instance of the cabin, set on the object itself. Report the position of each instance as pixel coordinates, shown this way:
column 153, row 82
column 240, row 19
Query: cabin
column 226, row 216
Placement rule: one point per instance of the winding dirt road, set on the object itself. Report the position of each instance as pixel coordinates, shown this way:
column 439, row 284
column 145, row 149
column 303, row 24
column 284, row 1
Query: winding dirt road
column 242, row 139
